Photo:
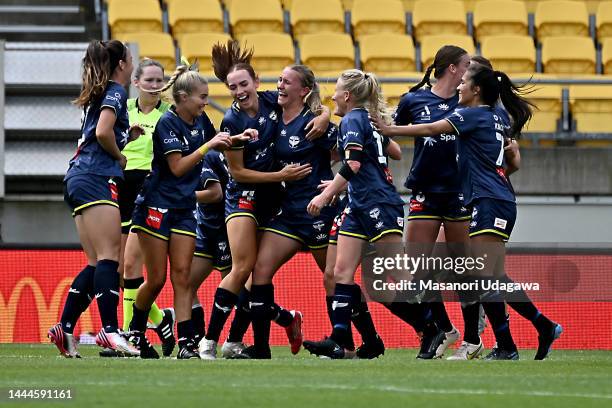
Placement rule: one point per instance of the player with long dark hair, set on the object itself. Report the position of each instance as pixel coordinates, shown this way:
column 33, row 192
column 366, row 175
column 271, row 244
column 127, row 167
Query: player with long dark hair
column 482, row 133
column 91, row 192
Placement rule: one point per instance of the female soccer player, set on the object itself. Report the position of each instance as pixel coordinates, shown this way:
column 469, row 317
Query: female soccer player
column 293, row 228
column 91, row 192
column 481, row 162
column 375, row 210
column 145, row 110
column 163, row 217
column 254, row 188
column 471, row 345
column 436, row 197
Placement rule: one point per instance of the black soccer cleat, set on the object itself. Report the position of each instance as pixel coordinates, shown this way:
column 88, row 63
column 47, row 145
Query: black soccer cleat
column 326, row 347
column 546, row 340
column 370, row 350
column 187, row 352
column 140, row 341
column 430, row 343
column 500, row 354
column 165, row 331
column 252, row 353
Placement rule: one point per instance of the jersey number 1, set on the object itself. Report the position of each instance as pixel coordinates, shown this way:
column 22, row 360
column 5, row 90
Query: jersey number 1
column 382, row 159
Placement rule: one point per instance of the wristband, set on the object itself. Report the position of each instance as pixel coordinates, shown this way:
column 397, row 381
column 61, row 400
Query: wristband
column 203, row 149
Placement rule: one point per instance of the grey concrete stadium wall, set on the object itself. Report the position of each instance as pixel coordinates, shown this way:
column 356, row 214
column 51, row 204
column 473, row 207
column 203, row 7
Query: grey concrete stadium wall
column 540, row 220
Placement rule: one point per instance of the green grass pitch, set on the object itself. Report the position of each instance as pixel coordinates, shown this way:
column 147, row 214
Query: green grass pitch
column 567, row 379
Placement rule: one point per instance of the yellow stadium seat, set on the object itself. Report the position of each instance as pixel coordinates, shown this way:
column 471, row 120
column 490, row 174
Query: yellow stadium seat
column 199, row 46
column 606, row 56
column 561, row 18
column 387, row 54
column 316, row 16
column 158, row 46
column 219, row 94
column 132, row 16
column 510, row 53
column 193, row 16
column 500, row 17
column 273, row 52
column 375, row 17
column 548, row 100
column 592, row 5
column 248, row 17
column 604, row 20
column 568, row 55
column 347, row 4
column 431, row 44
column 591, row 107
column 337, row 55
column 435, row 17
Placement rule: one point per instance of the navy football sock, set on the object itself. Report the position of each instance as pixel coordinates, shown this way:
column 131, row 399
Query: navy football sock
column 242, row 317
column 222, row 307
column 79, row 298
column 106, row 288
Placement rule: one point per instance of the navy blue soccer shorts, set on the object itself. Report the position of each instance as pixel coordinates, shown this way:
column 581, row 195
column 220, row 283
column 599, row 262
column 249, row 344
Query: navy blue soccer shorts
column 161, row 222
column 437, row 206
column 86, row 190
column 373, row 223
column 213, row 244
column 491, row 216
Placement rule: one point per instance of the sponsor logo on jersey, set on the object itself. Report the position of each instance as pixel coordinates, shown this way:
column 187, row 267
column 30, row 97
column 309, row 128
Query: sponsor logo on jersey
column 261, row 121
column 474, row 212
column 416, row 206
column 443, row 107
column 283, row 133
column 447, row 138
column 379, row 225
column 194, row 132
column 458, row 115
column 400, row 221
column 113, row 190
column 222, row 246
column 420, row 197
column 321, row 237
column 429, row 141
column 273, row 116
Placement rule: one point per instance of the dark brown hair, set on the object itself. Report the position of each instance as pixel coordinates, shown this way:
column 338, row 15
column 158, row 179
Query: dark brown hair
column 100, row 61
column 229, row 58
column 446, row 56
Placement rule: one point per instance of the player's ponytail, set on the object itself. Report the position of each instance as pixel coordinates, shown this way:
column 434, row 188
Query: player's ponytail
column 100, row 61
column 183, row 81
column 425, row 80
column 518, row 107
column 365, row 89
column 495, row 85
column 229, row 58
column 446, row 56
column 308, row 80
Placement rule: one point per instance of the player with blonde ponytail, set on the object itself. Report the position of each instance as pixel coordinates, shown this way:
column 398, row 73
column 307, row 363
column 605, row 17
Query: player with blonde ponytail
column 163, row 217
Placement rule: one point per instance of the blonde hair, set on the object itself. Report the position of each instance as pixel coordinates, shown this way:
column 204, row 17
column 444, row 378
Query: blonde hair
column 183, row 81
column 308, row 80
column 365, row 88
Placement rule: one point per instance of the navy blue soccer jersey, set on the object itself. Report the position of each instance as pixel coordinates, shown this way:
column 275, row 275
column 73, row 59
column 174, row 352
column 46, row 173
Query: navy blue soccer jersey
column 162, row 188
column 292, row 147
column 482, row 132
column 91, row 158
column 258, row 153
column 434, row 165
column 373, row 183
column 214, row 170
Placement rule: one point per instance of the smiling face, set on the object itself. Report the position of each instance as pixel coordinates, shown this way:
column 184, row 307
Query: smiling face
column 468, row 93
column 243, row 89
column 194, row 103
column 151, row 79
column 340, row 98
column 290, row 89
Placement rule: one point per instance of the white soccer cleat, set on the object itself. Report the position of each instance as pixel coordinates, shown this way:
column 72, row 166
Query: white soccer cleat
column 450, row 338
column 207, row 349
column 467, row 351
column 231, row 348
column 117, row 342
